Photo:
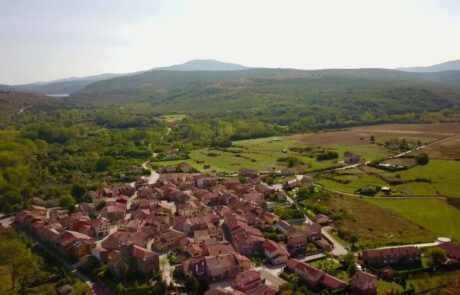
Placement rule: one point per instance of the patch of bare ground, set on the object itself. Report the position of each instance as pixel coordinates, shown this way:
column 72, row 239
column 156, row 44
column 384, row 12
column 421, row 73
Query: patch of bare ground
column 449, row 149
column 402, row 161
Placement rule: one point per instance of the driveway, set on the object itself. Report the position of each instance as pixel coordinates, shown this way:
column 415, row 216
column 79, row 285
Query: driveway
column 338, row 249
column 271, row 275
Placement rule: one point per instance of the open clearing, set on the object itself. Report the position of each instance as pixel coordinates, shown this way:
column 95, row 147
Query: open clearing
column 261, row 154
column 374, row 225
column 433, row 214
column 439, row 178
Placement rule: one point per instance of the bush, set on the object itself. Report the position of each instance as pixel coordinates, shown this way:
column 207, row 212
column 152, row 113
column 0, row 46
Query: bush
column 422, row 159
column 326, row 155
column 104, row 163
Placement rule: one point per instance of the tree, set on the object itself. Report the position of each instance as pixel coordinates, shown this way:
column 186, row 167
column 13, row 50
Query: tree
column 104, row 163
column 66, row 201
column 348, row 259
column 22, row 264
column 435, row 256
column 78, row 192
column 422, row 159
column 304, row 192
column 352, row 269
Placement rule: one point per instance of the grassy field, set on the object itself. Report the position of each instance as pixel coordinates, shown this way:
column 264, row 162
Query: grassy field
column 372, row 224
column 443, row 177
column 433, row 214
column 422, row 282
column 263, row 153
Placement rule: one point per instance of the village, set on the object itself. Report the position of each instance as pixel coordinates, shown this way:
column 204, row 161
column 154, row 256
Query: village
column 220, row 231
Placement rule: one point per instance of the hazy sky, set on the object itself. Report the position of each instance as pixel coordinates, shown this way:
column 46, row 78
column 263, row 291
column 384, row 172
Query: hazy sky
column 43, row 39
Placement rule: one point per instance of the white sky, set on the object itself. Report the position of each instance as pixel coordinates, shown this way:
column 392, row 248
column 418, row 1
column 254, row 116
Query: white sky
column 52, row 39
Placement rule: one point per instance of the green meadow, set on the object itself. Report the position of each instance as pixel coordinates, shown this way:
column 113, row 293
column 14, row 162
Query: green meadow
column 433, row 214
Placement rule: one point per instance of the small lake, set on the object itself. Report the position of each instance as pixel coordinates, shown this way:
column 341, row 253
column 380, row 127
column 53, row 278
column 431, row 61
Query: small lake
column 58, row 95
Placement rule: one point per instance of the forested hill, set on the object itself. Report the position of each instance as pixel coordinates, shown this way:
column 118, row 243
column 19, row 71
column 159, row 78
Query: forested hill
column 285, row 95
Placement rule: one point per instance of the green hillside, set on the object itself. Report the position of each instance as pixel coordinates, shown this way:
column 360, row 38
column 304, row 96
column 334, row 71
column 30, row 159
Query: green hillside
column 284, row 96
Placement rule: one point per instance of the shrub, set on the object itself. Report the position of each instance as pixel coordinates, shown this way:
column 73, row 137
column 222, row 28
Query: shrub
column 422, row 159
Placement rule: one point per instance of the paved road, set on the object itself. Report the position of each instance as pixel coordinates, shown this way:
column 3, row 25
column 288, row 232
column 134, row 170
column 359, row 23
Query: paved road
column 313, row 257
column 271, row 275
column 153, row 177
column 422, row 245
column 338, row 249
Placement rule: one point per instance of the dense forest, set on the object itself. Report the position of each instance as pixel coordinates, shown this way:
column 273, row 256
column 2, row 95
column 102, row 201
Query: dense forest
column 53, row 148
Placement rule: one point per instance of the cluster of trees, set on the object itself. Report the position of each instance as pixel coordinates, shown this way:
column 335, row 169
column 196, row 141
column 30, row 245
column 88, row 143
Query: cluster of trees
column 287, row 213
column 326, row 155
column 290, row 161
column 66, row 148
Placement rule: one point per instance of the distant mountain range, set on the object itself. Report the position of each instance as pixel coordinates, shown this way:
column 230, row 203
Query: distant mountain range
column 204, row 65
column 453, row 65
column 73, row 84
column 77, row 85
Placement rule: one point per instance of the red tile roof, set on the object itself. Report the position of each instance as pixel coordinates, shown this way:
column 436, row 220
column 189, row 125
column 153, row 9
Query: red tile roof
column 364, row 281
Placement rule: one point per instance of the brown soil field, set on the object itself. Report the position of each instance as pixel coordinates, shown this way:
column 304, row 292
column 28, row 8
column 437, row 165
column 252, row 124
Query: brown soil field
column 359, row 136
column 402, row 161
column 445, row 150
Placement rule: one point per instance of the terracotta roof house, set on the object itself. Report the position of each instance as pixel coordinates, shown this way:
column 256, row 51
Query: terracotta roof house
column 221, row 267
column 321, row 219
column 194, row 250
column 283, row 226
column 196, row 266
column 250, row 173
column 315, row 278
column 114, row 241
column 351, row 159
column 67, row 240
column 100, row 227
column 247, row 240
column 187, row 209
column 264, row 189
column 201, row 235
column 391, row 256
column 311, row 275
column 140, row 239
column 167, row 239
column 452, row 250
column 332, row 283
column 307, row 180
column 364, row 283
column 114, row 211
column 312, row 231
column 37, row 210
column 270, row 218
column 296, row 242
column 135, row 258
column 274, row 252
column 131, row 226
column 213, row 248
column 247, row 280
column 206, row 181
column 263, row 289
column 216, row 267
